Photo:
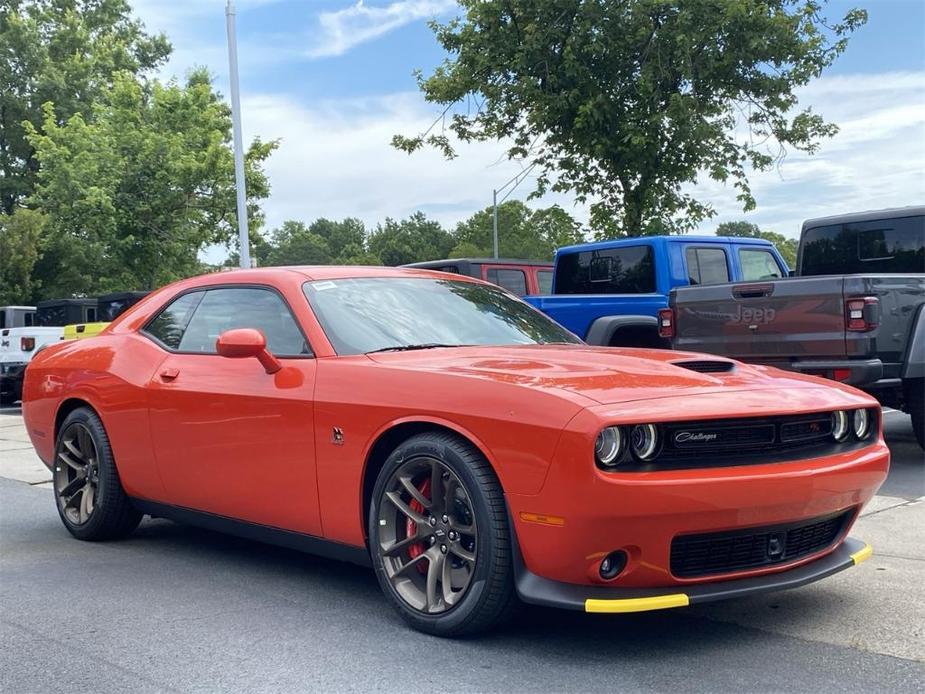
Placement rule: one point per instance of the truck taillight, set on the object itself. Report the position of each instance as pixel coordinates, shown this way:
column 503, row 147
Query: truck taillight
column 666, row 322
column 862, row 314
column 27, row 344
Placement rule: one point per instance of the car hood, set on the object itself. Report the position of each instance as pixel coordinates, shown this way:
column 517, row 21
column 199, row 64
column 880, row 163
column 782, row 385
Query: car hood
column 603, row 375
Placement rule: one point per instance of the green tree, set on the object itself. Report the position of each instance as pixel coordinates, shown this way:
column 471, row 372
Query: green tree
column 63, row 52
column 409, row 240
column 340, row 235
column 522, row 232
column 787, row 246
column 137, row 190
column 623, row 102
column 295, row 244
column 21, row 238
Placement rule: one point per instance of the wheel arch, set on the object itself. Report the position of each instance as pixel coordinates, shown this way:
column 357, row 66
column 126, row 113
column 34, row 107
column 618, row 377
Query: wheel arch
column 632, row 330
column 69, row 405
column 393, row 435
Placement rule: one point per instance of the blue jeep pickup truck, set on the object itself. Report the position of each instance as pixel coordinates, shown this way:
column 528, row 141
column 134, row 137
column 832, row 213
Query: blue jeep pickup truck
column 610, row 292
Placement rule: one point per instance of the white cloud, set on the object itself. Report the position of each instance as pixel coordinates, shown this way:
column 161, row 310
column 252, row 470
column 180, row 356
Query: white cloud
column 343, row 29
column 335, row 160
column 877, row 159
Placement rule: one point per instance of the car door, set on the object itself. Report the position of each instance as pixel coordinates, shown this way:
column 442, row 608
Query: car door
column 229, row 438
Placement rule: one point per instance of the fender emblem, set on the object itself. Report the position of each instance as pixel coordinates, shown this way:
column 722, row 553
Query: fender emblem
column 337, row 436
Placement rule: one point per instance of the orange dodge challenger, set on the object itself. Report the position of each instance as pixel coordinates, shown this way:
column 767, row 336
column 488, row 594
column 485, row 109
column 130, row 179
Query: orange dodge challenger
column 468, row 448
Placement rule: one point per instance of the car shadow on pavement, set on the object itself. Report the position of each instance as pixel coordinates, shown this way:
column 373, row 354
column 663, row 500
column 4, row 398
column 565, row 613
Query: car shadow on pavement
column 310, row 580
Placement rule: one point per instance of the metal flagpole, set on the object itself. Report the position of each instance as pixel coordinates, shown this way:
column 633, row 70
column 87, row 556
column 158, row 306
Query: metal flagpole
column 243, row 237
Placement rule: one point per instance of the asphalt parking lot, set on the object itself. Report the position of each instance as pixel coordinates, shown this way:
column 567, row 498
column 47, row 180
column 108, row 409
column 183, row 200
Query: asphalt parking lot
column 180, row 609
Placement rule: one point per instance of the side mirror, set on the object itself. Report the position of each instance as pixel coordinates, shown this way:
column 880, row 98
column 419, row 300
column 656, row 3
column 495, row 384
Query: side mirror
column 242, row 343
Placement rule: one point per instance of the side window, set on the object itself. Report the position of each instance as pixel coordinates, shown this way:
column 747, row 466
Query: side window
column 169, row 324
column 625, row 270
column 758, row 264
column 891, row 245
column 706, row 265
column 244, row 307
column 544, row 280
column 91, row 315
column 895, row 246
column 513, row 280
column 3, row 319
column 29, row 319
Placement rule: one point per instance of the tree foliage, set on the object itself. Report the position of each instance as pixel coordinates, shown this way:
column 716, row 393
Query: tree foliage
column 137, row 189
column 409, row 240
column 523, row 233
column 63, row 52
column 624, row 102
column 786, row 245
column 21, row 240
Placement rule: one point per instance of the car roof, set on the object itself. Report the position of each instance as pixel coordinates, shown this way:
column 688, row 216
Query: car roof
column 682, row 238
column 480, row 261
column 335, row 272
column 868, row 216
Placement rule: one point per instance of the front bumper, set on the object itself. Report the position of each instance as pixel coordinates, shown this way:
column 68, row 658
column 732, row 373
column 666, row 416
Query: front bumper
column 536, row 590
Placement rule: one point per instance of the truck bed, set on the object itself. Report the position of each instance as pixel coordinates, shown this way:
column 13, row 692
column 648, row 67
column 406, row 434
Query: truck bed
column 796, row 321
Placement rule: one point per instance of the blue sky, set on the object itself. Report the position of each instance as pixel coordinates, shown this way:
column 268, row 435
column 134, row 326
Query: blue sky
column 333, row 80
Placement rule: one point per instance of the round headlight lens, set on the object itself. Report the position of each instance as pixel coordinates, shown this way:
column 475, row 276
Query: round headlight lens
column 644, row 441
column 860, row 422
column 840, row 425
column 608, row 446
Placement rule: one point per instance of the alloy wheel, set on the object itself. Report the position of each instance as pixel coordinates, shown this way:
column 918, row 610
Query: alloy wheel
column 428, row 535
column 77, row 474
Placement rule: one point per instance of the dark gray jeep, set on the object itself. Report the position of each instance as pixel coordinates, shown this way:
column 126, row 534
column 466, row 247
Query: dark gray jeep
column 853, row 312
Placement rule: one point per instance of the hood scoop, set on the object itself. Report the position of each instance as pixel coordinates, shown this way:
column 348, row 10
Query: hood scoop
column 706, row 366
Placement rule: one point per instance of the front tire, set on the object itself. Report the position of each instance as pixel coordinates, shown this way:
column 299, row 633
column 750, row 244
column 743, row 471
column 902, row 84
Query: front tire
column 439, row 537
column 88, row 492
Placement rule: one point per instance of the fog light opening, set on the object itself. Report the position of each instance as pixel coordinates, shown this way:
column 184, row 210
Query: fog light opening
column 613, row 564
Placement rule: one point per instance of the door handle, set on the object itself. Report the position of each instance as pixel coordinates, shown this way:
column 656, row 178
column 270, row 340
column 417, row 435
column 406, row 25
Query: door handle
column 752, row 291
column 169, row 374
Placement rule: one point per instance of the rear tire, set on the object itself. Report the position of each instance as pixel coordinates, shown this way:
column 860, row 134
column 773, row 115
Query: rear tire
column 88, row 492
column 463, row 531
column 915, row 406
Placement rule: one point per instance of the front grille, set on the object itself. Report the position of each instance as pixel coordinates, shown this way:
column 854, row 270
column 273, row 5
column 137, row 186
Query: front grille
column 706, row 366
column 693, row 556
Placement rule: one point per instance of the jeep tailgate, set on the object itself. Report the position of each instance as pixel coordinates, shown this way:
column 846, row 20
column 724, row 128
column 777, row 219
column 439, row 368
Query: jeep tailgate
column 792, row 318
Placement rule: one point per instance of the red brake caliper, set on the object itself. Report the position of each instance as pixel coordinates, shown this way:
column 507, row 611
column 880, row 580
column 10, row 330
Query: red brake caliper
column 411, row 528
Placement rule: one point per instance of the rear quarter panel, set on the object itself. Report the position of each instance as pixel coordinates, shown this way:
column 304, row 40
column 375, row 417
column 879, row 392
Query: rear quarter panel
column 109, row 373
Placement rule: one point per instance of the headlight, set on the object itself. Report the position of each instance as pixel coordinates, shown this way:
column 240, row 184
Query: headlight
column 840, row 425
column 609, row 446
column 860, row 423
column 644, row 441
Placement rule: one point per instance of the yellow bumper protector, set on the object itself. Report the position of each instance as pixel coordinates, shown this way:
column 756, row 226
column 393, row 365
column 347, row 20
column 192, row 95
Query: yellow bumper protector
column 862, row 554
column 658, row 602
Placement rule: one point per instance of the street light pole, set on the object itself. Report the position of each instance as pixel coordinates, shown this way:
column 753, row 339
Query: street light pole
column 516, row 181
column 239, row 184
column 494, row 197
